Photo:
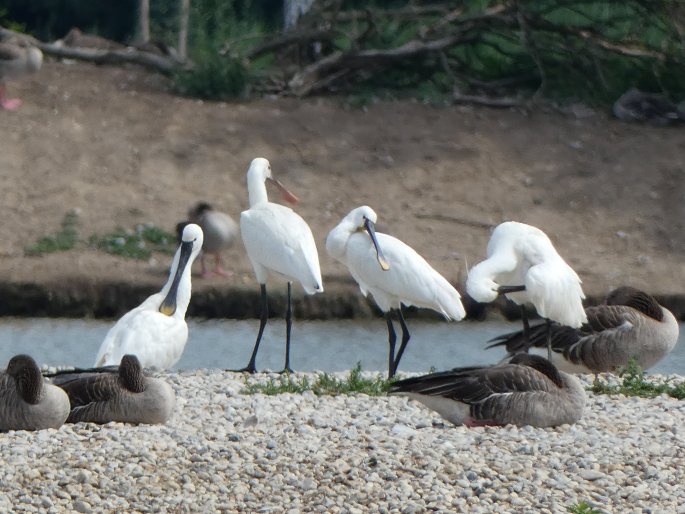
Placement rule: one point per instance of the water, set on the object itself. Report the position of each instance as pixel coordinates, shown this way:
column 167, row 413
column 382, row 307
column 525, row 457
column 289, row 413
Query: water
column 316, row 345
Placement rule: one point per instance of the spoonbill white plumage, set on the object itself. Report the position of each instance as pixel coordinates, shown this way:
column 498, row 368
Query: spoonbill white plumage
column 528, row 390
column 156, row 331
column 629, row 324
column 392, row 272
column 523, row 264
column 16, row 59
column 278, row 241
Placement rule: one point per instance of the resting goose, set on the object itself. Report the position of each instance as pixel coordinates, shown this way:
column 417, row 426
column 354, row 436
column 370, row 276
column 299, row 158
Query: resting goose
column 523, row 264
column 16, row 60
column 528, row 390
column 125, row 395
column 156, row 331
column 27, row 400
column 220, row 232
column 629, row 324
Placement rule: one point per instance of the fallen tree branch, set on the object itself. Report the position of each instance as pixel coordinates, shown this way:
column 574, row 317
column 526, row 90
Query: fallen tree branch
column 304, row 82
column 129, row 55
column 501, row 103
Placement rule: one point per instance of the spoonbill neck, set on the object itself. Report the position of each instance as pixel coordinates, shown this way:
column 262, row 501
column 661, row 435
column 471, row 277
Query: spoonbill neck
column 256, row 189
column 176, row 291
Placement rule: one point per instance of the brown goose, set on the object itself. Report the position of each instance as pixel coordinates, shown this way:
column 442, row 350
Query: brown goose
column 220, row 231
column 27, row 400
column 16, row 60
column 629, row 324
column 124, row 394
column 528, row 390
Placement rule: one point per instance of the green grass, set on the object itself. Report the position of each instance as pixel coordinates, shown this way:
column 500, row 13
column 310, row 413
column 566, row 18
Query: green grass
column 583, row 508
column 65, row 239
column 136, row 244
column 324, row 384
column 634, row 384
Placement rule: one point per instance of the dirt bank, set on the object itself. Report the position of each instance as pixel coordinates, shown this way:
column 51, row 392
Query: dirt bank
column 115, row 144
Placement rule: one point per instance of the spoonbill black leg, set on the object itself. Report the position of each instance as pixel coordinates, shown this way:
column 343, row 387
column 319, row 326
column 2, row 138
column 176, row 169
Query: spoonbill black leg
column 288, row 326
column 405, row 339
column 391, row 342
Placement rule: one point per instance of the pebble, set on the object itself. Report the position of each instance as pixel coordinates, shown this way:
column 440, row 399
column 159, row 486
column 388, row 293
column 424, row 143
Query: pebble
column 224, row 451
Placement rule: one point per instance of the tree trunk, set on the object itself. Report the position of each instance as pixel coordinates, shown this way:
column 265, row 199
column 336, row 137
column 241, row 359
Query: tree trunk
column 144, row 20
column 183, row 30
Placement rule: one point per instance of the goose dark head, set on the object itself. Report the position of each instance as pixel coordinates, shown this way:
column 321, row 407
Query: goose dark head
column 27, row 376
column 638, row 300
column 540, row 364
column 131, row 374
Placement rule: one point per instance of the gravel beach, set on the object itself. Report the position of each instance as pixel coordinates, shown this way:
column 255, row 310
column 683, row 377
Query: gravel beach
column 224, row 451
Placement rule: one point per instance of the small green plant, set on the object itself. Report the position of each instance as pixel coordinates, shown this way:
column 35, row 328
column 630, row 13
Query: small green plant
column 583, row 508
column 324, row 384
column 634, row 384
column 136, row 244
column 214, row 77
column 65, row 239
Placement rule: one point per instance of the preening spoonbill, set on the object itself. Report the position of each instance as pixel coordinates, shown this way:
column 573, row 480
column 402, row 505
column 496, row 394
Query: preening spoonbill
column 27, row 400
column 16, row 59
column 220, row 232
column 156, row 331
column 392, row 272
column 629, row 324
column 278, row 241
column 528, row 390
column 125, row 395
column 523, row 264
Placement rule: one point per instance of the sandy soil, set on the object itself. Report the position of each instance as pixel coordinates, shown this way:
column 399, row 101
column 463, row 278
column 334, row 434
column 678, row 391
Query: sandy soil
column 114, row 143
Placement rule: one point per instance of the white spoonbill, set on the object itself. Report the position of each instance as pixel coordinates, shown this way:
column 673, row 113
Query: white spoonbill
column 629, row 324
column 528, row 390
column 523, row 264
column 156, row 331
column 392, row 272
column 278, row 241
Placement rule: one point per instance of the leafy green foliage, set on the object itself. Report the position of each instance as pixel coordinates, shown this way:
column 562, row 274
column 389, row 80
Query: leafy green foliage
column 634, row 384
column 136, row 244
column 324, row 384
column 214, row 77
column 66, row 239
column 583, row 508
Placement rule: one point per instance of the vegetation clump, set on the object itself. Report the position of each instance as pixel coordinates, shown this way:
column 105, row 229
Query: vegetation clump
column 323, row 384
column 66, row 239
column 634, row 384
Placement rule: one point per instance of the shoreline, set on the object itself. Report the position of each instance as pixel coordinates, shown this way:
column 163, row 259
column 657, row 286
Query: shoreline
column 230, row 452
column 76, row 298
